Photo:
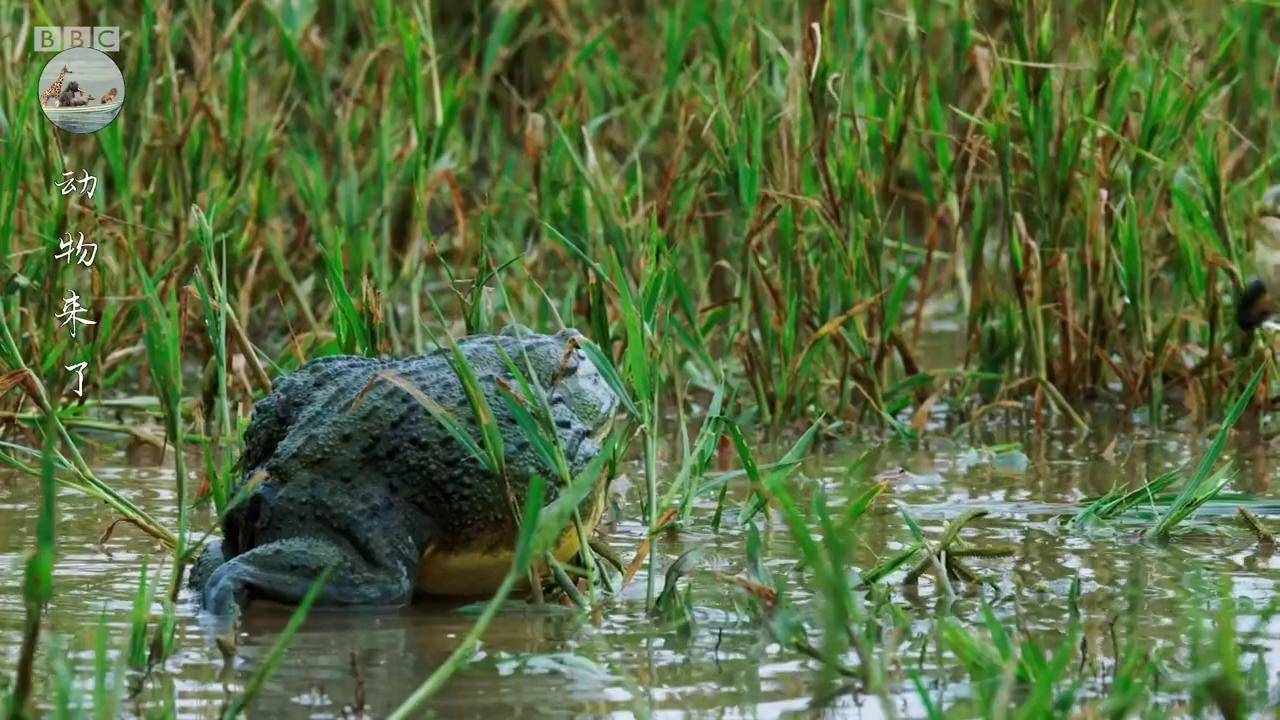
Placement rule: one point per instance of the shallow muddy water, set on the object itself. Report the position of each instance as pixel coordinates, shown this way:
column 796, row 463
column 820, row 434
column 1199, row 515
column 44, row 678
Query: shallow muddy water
column 535, row 662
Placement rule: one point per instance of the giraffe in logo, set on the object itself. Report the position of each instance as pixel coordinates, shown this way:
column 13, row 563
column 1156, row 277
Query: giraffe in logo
column 55, row 89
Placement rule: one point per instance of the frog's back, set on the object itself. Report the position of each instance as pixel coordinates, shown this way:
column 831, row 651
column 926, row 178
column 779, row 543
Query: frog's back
column 347, row 462
column 297, row 399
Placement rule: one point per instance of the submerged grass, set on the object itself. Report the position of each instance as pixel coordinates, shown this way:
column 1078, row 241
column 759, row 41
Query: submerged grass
column 1007, row 668
column 37, row 586
column 1208, row 480
column 1206, row 483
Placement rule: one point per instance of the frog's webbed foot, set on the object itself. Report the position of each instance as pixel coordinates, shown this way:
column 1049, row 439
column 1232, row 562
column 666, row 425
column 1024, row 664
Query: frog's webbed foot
column 285, row 570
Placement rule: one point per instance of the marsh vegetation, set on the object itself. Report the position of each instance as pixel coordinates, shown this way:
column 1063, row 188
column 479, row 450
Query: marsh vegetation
column 922, row 313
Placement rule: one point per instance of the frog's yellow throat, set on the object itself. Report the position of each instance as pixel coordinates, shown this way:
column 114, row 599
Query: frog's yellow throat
column 479, row 571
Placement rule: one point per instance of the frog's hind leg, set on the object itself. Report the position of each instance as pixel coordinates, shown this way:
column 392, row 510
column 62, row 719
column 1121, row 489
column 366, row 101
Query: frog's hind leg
column 211, row 558
column 285, row 570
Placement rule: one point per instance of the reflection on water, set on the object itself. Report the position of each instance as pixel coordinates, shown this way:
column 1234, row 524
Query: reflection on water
column 551, row 660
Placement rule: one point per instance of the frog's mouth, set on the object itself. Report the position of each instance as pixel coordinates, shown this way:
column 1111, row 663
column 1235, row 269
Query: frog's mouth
column 602, row 430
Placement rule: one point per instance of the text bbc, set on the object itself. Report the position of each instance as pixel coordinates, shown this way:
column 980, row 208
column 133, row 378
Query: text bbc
column 55, row 38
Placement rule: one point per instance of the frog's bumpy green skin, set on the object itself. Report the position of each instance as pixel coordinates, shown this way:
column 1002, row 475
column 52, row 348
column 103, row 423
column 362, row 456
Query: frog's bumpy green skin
column 361, row 477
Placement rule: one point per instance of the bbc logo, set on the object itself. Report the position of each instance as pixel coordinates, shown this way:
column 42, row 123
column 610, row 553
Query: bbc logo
column 54, row 38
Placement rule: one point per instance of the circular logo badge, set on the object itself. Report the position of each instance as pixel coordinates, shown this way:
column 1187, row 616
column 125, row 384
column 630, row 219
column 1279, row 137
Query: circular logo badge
column 81, row 90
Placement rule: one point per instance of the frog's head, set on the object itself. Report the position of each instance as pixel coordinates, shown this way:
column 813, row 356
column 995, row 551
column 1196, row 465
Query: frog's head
column 1255, row 304
column 582, row 404
column 583, row 387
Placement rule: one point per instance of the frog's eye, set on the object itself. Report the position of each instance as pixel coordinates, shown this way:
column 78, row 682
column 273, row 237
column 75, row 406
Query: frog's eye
column 567, row 335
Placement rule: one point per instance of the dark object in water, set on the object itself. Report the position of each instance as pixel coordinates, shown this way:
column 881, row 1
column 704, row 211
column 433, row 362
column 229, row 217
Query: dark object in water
column 345, row 468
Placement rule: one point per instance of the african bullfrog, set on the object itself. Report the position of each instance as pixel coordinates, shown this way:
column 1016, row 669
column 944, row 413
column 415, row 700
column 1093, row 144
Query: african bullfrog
column 344, row 467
